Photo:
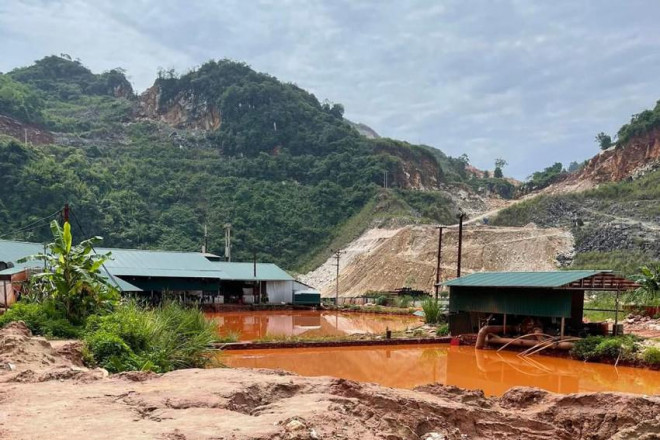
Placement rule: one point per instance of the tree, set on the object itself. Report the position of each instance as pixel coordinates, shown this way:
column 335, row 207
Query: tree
column 649, row 291
column 73, row 280
column 486, row 174
column 499, row 164
column 573, row 166
column 604, row 140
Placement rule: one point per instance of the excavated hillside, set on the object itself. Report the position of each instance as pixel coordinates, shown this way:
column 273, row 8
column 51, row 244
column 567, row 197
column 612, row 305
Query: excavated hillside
column 387, row 259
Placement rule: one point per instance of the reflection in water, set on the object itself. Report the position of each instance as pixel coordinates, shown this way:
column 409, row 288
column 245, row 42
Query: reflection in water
column 306, row 323
column 493, row 372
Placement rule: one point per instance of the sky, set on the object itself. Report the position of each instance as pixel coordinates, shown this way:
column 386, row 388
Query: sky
column 528, row 81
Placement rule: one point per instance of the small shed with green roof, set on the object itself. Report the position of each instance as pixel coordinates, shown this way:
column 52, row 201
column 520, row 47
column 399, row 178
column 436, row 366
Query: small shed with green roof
column 550, row 298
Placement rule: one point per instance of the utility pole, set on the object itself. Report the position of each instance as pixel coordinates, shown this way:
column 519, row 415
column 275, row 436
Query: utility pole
column 437, row 271
column 228, row 241
column 205, row 243
column 460, row 243
column 337, row 256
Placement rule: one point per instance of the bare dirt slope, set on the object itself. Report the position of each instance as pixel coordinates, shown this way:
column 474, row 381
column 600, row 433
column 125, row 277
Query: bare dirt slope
column 383, row 260
column 262, row 404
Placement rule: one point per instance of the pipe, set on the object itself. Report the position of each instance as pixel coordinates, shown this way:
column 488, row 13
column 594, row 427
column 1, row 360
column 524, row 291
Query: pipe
column 485, row 330
column 526, row 343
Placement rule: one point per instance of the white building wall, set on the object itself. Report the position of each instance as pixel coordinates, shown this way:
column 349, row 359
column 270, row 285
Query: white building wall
column 279, row 292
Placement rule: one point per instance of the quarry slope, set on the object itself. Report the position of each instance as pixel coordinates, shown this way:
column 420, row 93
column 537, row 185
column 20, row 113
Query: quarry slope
column 387, row 259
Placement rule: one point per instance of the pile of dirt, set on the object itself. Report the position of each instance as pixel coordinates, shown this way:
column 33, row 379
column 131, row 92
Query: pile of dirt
column 252, row 404
column 383, row 260
column 644, row 326
column 267, row 404
column 25, row 358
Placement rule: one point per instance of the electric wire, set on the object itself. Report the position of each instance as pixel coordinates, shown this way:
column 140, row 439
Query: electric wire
column 33, row 225
column 112, row 277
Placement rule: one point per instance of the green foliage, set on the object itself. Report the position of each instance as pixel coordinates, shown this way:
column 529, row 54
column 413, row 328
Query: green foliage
column 499, row 186
column 542, row 179
column 651, row 356
column 626, row 263
column 499, row 164
column 19, row 101
column 443, row 330
column 287, row 171
column 73, row 280
column 162, row 339
column 42, row 319
column 603, row 140
column 382, row 300
column 639, row 125
column 403, row 301
column 431, row 309
column 648, row 293
column 594, row 348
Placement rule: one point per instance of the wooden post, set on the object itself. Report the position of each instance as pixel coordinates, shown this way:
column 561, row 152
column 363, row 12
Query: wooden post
column 437, row 270
column 504, row 325
column 616, row 311
column 460, row 245
column 561, row 331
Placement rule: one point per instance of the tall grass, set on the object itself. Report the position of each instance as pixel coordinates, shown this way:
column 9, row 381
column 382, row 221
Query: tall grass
column 161, row 339
column 431, row 309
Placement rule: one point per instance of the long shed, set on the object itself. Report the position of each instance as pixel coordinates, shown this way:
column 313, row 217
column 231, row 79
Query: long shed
column 555, row 296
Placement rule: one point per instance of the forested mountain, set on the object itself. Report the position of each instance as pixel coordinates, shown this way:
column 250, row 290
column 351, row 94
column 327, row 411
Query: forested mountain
column 220, row 144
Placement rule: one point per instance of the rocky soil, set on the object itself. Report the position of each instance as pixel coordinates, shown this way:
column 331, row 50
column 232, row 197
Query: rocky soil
column 263, row 404
column 383, row 259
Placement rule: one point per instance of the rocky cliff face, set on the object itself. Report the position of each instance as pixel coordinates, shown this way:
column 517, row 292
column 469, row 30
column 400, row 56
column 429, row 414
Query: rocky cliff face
column 185, row 110
column 639, row 156
column 414, row 170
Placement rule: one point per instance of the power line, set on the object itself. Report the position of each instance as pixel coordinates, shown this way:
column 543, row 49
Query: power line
column 33, row 225
column 112, row 277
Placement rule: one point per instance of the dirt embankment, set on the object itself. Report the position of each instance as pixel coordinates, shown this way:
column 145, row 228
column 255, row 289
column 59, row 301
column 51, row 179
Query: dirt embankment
column 22, row 132
column 262, row 404
column 383, row 260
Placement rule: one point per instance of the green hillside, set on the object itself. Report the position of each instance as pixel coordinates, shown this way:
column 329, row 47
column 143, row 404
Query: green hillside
column 285, row 169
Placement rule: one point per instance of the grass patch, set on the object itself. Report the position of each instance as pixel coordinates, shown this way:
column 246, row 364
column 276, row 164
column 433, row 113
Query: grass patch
column 431, row 309
column 161, row 339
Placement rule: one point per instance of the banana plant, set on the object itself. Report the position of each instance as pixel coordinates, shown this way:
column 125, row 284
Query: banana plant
column 73, row 278
column 648, row 292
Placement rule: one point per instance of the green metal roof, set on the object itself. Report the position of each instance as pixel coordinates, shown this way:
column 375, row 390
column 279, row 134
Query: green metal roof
column 522, row 279
column 245, row 271
column 154, row 264
column 12, row 251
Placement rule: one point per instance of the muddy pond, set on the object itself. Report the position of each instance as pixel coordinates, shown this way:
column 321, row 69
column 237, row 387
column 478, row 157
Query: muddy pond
column 489, row 370
column 250, row 326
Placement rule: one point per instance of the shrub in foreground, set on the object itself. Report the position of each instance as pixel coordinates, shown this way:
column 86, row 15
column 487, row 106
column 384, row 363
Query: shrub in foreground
column 651, row 356
column 443, row 330
column 42, row 319
column 605, row 347
column 161, row 339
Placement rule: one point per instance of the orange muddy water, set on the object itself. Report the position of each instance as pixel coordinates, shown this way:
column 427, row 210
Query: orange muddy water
column 306, row 323
column 408, row 366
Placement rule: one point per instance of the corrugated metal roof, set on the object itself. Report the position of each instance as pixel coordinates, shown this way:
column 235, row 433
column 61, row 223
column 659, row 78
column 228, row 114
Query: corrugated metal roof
column 522, row 279
column 166, row 264
column 12, row 251
column 245, row 271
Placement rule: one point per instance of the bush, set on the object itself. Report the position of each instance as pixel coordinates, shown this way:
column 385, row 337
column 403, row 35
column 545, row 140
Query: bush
column 431, row 309
column 651, row 356
column 404, row 301
column 42, row 319
column 443, row 330
column 381, row 300
column 162, row 339
column 601, row 347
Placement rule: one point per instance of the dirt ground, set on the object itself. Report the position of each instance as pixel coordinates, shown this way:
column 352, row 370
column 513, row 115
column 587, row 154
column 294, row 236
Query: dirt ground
column 385, row 260
column 46, row 394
